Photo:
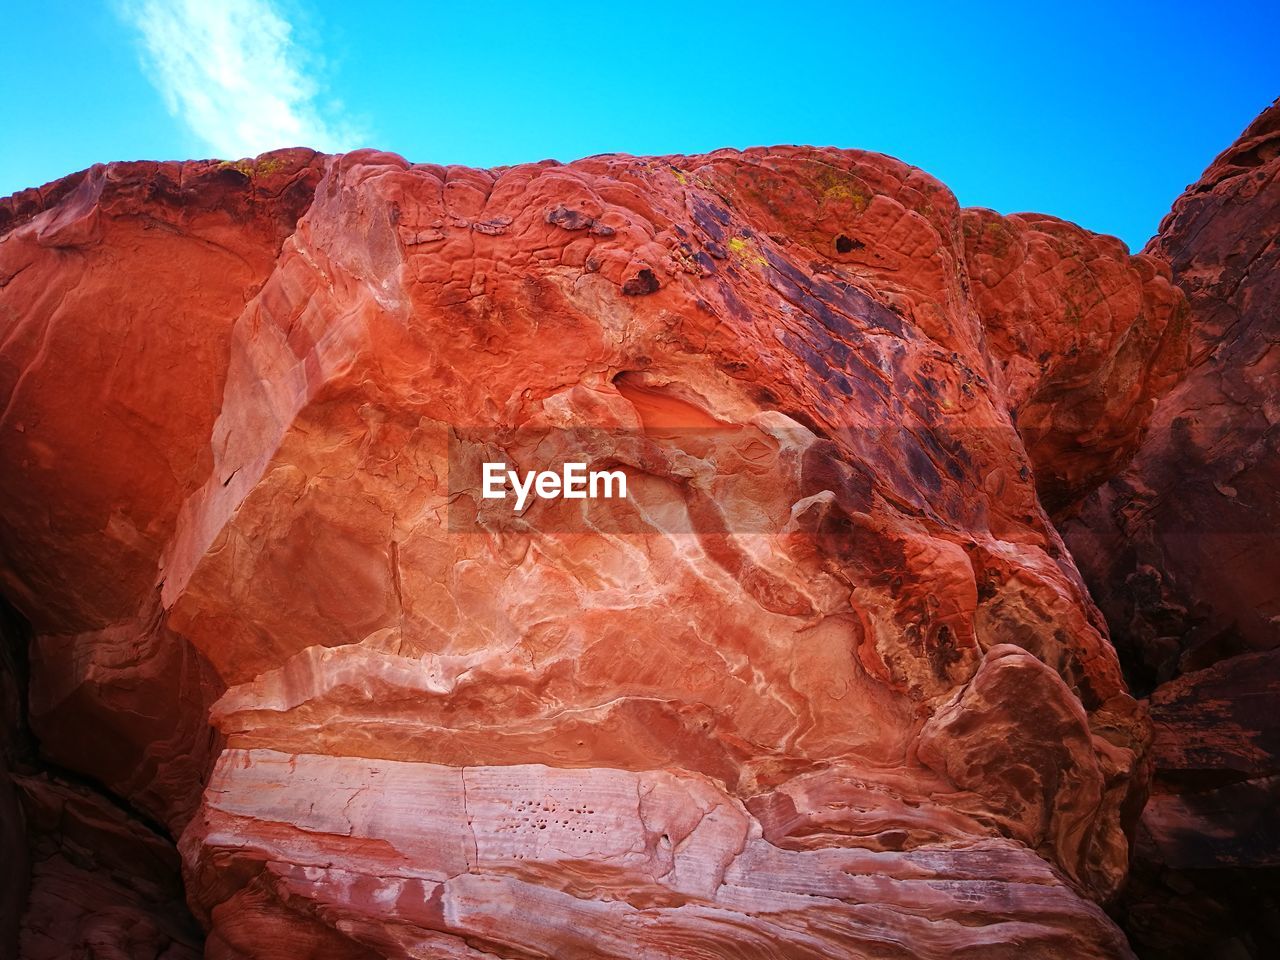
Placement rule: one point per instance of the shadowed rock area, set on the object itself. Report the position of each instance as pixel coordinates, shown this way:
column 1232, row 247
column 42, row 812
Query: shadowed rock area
column 826, row 684
column 1182, row 552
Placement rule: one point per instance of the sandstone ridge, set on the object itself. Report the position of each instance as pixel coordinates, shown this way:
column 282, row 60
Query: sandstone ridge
column 832, row 687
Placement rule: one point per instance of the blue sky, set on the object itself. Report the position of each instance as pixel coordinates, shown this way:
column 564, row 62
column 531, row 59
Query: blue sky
column 1098, row 112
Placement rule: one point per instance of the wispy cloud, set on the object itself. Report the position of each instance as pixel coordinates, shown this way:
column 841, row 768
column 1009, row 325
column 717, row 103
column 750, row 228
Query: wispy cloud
column 230, row 70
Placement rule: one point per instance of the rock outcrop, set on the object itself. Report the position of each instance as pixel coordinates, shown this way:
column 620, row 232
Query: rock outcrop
column 1182, row 551
column 826, row 684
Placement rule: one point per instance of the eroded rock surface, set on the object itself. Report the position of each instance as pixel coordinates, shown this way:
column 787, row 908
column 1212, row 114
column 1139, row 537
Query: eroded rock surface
column 102, row 883
column 82, row 877
column 1182, row 552
column 826, row 685
column 1181, row 548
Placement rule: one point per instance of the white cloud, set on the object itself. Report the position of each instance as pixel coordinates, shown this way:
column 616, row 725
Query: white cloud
column 230, row 71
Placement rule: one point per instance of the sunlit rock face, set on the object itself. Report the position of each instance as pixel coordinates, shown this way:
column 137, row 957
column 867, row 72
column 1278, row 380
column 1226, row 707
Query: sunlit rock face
column 1182, row 551
column 825, row 684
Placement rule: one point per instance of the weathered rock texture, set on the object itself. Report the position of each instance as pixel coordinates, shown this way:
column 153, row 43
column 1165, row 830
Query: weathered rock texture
column 1182, row 551
column 827, row 685
column 82, row 877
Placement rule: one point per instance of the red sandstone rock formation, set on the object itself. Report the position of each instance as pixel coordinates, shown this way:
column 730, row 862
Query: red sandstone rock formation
column 828, row 683
column 1182, row 551
column 102, row 884
column 82, row 877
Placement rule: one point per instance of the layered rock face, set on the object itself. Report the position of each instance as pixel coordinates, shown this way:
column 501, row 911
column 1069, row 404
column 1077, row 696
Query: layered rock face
column 1182, row 552
column 825, row 684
